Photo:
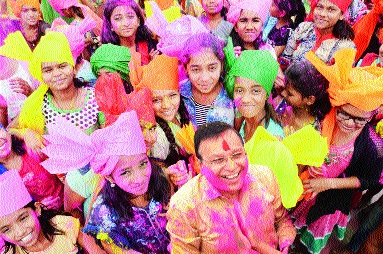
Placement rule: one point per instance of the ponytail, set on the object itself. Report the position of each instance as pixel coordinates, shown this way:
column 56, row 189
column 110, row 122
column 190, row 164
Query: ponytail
column 300, row 14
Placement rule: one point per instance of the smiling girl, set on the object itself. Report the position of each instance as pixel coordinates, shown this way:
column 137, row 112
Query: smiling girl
column 127, row 215
column 124, row 26
column 328, row 33
column 355, row 159
column 27, row 227
column 203, row 93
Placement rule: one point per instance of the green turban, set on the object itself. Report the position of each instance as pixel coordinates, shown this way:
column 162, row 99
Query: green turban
column 112, row 58
column 257, row 65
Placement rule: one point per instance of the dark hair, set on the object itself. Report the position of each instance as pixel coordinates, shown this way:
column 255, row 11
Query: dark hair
column 237, row 40
column 119, row 200
column 308, row 81
column 343, row 30
column 80, row 82
column 292, row 8
column 109, row 36
column 270, row 114
column 209, row 131
column 47, row 226
column 78, row 11
column 18, row 145
column 174, row 154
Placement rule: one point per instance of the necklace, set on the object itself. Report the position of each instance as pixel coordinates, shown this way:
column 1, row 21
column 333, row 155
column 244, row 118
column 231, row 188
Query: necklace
column 72, row 103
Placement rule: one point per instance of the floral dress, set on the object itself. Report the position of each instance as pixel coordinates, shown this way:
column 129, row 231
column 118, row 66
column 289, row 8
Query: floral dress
column 145, row 233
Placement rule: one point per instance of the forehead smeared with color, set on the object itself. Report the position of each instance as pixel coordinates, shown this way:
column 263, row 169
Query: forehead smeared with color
column 225, row 145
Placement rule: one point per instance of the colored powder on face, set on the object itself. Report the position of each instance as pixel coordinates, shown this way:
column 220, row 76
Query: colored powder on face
column 216, row 181
column 238, row 102
column 225, row 145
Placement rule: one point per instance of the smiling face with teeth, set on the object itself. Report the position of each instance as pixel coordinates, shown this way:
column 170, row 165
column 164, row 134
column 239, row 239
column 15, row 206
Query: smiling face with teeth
column 224, row 162
column 22, row 228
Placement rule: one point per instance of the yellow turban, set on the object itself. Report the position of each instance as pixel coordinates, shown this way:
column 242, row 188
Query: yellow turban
column 160, row 74
column 16, row 47
column 53, row 47
column 17, row 5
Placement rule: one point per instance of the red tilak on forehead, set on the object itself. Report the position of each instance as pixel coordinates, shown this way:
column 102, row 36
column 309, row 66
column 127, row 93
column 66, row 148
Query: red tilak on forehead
column 225, row 145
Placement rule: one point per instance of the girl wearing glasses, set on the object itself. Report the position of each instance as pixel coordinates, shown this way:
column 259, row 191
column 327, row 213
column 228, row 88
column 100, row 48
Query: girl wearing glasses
column 355, row 159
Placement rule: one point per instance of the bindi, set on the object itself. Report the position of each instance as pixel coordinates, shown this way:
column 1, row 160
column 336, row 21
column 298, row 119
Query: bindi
column 225, row 145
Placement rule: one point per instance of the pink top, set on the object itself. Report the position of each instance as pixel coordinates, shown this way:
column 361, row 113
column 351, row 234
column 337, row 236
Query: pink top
column 40, row 183
column 339, row 158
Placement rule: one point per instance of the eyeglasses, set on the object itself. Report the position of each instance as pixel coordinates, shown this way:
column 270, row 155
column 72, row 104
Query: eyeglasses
column 359, row 121
column 221, row 160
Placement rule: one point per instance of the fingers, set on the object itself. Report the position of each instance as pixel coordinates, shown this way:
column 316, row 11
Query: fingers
column 153, row 53
column 19, row 85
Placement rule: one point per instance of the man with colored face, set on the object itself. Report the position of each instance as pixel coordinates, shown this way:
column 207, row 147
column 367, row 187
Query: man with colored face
column 231, row 207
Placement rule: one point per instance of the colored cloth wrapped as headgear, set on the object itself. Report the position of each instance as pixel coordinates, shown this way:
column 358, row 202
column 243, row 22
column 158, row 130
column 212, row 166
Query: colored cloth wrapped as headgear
column 69, row 148
column 16, row 47
column 113, row 101
column 365, row 27
column 53, row 47
column 160, row 74
column 59, row 5
column 304, row 146
column 260, row 7
column 17, row 5
column 13, row 193
column 177, row 33
column 74, row 33
column 157, row 20
column 362, row 87
column 113, row 58
column 342, row 5
column 257, row 65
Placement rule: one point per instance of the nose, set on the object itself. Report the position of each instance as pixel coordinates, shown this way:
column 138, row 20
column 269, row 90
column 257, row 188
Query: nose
column 245, row 97
column 165, row 102
column 249, row 25
column 19, row 231
column 230, row 164
column 284, row 93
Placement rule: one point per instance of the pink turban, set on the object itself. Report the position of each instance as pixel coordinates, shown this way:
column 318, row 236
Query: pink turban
column 59, row 5
column 74, row 33
column 261, row 7
column 69, row 148
column 177, row 33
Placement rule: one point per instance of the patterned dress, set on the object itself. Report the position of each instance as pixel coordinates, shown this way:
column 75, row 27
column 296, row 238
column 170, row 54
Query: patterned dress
column 315, row 235
column 145, row 233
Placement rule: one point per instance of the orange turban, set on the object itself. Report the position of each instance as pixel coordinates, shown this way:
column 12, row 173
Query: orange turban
column 160, row 74
column 365, row 27
column 361, row 87
column 17, row 5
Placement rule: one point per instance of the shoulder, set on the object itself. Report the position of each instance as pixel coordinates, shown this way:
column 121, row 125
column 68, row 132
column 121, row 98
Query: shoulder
column 346, row 44
column 262, row 175
column 187, row 197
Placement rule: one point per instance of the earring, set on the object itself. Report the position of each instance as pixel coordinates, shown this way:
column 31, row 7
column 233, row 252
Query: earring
column 112, row 185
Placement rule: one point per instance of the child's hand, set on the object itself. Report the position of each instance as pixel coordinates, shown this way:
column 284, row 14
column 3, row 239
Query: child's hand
column 237, row 51
column 33, row 142
column 179, row 174
column 19, row 85
column 316, row 186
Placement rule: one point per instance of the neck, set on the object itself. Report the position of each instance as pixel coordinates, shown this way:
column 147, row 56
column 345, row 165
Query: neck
column 128, row 42
column 325, row 31
column 340, row 138
column 233, row 196
column 252, row 124
column 249, row 45
column 206, row 99
column 302, row 117
column 8, row 158
column 283, row 21
column 65, row 95
column 140, row 201
column 27, row 27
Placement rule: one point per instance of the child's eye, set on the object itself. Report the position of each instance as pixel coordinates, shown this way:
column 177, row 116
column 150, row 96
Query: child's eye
column 4, row 231
column 126, row 172
column 238, row 90
column 143, row 163
column 156, row 100
column 195, row 70
column 212, row 68
column 256, row 91
column 242, row 20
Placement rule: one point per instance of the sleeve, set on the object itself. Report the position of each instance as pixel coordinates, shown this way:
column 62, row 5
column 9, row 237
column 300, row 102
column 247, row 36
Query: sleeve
column 102, row 225
column 283, row 225
column 291, row 44
column 184, row 237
